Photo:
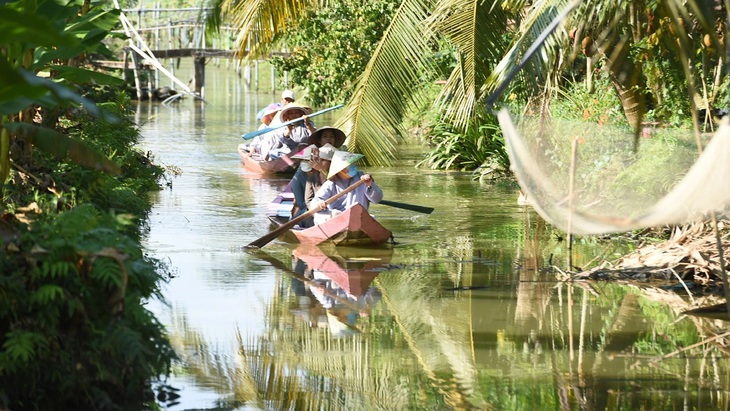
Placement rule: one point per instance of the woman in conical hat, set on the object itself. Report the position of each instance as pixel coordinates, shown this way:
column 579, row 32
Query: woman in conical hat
column 305, row 181
column 284, row 140
column 309, row 177
column 343, row 173
column 328, row 135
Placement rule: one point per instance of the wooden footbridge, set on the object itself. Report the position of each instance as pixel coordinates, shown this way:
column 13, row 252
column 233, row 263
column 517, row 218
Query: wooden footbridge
column 172, row 40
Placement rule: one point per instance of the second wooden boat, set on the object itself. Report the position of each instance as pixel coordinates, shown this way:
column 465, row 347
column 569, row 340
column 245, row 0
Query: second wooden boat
column 255, row 164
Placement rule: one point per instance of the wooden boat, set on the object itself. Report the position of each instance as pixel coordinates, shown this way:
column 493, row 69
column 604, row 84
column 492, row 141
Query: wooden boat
column 353, row 227
column 255, row 164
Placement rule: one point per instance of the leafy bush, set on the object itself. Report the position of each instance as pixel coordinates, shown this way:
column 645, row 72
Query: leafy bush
column 331, row 48
column 74, row 329
column 480, row 146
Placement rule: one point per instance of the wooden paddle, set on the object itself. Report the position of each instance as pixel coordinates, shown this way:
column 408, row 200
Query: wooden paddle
column 412, row 207
column 285, row 227
column 253, row 134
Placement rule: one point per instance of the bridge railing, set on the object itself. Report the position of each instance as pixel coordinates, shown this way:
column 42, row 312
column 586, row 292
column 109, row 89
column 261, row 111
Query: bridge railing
column 185, row 36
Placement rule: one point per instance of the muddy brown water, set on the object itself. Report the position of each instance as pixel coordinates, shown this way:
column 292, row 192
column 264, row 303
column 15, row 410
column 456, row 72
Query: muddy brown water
column 462, row 313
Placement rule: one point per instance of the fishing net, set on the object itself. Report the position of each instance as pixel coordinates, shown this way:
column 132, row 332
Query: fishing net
column 615, row 187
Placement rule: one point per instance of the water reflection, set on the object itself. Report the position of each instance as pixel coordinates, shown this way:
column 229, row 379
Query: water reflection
column 463, row 313
column 339, row 283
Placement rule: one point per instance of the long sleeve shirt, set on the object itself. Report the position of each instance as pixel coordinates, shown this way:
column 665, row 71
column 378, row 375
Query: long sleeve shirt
column 362, row 195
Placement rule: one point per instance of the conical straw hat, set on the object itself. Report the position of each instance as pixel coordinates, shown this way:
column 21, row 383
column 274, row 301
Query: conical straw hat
column 341, row 160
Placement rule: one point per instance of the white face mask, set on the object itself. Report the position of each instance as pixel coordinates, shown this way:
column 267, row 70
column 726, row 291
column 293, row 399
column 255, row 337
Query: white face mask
column 306, row 166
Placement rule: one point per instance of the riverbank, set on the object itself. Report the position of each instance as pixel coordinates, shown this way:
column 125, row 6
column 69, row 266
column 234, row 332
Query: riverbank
column 74, row 325
column 688, row 263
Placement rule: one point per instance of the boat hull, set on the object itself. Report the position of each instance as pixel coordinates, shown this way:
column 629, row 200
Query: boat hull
column 254, row 163
column 353, row 227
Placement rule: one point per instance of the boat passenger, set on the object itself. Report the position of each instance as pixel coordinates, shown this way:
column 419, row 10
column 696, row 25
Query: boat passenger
column 343, row 173
column 287, row 97
column 266, row 117
column 310, row 175
column 287, row 139
column 330, row 137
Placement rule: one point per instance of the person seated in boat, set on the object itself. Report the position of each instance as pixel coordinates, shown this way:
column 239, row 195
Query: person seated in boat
column 266, row 118
column 330, row 137
column 309, row 177
column 288, row 139
column 343, row 173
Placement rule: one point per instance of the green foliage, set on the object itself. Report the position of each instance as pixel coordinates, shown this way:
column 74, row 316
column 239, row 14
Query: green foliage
column 330, row 49
column 600, row 105
column 55, row 36
column 75, row 332
column 479, row 146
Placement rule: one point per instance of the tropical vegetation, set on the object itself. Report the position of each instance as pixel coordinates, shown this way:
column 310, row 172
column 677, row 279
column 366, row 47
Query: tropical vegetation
column 74, row 329
column 664, row 60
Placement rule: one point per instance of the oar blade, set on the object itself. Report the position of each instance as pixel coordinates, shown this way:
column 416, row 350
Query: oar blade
column 412, row 207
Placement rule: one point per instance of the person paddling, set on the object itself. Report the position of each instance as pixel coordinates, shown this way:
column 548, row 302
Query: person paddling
column 342, row 174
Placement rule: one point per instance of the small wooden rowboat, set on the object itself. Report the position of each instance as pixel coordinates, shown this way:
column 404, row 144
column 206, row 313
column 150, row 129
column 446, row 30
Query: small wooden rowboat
column 353, row 227
column 255, row 164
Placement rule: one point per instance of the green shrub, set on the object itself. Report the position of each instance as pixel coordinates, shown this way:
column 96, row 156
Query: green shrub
column 73, row 326
column 479, row 147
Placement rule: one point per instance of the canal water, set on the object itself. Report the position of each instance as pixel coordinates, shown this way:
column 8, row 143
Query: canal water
column 465, row 311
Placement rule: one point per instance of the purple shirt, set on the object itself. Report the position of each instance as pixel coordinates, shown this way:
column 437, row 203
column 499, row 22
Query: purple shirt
column 362, row 195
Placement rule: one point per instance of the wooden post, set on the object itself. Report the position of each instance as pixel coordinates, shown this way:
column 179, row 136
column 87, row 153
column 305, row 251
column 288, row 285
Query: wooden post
column 135, row 67
column 199, row 64
column 256, row 75
column 157, row 40
column 169, row 46
column 247, row 69
column 273, row 79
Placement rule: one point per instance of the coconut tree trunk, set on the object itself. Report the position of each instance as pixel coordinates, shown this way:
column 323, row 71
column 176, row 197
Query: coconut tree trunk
column 626, row 76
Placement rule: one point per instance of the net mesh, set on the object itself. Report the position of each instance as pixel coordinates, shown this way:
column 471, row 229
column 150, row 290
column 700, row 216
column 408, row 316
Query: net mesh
column 614, row 187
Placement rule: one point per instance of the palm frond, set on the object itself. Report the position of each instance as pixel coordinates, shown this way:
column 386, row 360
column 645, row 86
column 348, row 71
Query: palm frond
column 539, row 17
column 260, row 23
column 389, row 82
column 463, row 22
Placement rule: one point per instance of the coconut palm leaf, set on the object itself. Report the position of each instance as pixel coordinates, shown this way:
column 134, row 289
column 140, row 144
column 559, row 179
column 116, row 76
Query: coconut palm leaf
column 260, row 23
column 461, row 22
column 531, row 26
column 388, row 84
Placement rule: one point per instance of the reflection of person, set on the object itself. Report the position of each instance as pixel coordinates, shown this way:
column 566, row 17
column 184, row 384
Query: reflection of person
column 343, row 309
column 342, row 174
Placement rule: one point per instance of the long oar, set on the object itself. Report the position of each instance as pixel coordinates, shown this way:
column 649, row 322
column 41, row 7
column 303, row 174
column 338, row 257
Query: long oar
column 285, row 227
column 253, row 134
column 412, row 207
